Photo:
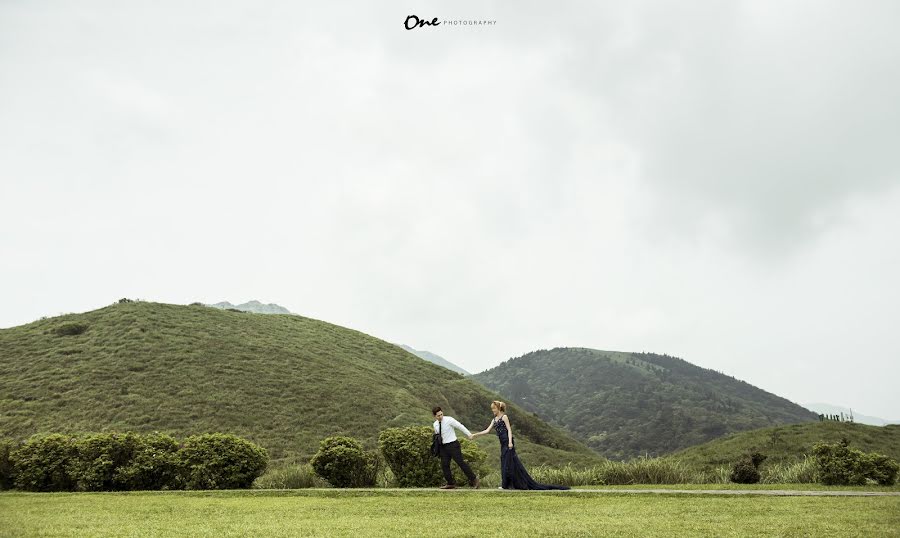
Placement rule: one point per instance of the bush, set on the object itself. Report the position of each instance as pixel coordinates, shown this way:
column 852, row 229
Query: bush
column 882, row 469
column 407, row 452
column 99, row 458
column 290, row 477
column 44, row 463
column 71, row 328
column 154, row 464
column 744, row 472
column 344, row 464
column 839, row 464
column 129, row 461
column 121, row 462
column 7, row 476
column 220, row 461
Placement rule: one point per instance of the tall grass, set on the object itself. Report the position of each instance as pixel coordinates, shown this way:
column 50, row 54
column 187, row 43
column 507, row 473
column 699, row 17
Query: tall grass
column 718, row 475
column 636, row 471
column 290, row 477
column 802, row 472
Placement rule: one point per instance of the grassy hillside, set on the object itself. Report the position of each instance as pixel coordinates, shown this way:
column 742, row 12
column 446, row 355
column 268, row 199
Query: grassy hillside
column 630, row 404
column 283, row 381
column 788, row 444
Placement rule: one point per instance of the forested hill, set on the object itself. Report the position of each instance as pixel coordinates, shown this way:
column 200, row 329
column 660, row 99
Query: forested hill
column 630, row 404
column 283, row 381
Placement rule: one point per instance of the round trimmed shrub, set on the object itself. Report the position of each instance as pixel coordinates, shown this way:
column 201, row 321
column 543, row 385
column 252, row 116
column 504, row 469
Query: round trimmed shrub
column 407, row 452
column 344, row 464
column 126, row 461
column 99, row 458
column 744, row 472
column 44, row 463
column 154, row 464
column 220, row 461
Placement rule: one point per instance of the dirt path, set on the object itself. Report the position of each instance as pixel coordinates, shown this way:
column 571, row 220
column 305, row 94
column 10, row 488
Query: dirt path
column 775, row 492
column 768, row 492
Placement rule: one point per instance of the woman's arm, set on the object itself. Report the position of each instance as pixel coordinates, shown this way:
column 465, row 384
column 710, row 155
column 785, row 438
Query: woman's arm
column 508, row 429
column 486, row 430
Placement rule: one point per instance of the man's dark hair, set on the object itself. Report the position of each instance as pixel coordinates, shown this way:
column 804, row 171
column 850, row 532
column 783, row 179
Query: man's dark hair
column 435, row 409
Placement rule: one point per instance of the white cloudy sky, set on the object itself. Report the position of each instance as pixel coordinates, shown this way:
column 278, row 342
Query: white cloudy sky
column 714, row 180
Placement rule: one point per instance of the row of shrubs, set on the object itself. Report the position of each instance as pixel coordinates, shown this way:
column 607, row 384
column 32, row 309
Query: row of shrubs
column 130, row 461
column 121, row 462
column 342, row 462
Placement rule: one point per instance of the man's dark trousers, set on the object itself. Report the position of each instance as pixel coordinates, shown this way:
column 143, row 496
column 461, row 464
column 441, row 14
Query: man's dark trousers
column 453, row 450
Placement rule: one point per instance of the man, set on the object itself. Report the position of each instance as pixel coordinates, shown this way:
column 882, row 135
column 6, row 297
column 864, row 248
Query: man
column 450, row 448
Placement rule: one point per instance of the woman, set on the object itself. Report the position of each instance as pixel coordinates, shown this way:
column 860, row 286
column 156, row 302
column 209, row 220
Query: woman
column 513, row 472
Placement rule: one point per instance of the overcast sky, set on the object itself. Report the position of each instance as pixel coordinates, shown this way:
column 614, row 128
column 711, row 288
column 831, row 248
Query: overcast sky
column 716, row 180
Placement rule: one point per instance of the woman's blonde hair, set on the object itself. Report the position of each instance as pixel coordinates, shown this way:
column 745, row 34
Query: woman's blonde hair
column 499, row 405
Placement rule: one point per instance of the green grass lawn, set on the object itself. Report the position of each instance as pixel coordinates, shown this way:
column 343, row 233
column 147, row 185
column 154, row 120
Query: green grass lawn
column 363, row 513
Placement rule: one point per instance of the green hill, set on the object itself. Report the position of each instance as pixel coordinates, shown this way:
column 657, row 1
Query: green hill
column 630, row 404
column 788, row 444
column 283, row 381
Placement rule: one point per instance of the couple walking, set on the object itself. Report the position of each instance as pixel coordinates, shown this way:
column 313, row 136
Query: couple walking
column 513, row 473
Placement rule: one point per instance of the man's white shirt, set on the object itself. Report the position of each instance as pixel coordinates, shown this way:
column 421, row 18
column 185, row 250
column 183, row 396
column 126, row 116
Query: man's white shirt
column 448, row 435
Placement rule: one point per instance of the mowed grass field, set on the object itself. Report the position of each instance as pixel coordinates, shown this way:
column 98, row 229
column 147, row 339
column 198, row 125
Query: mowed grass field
column 425, row 512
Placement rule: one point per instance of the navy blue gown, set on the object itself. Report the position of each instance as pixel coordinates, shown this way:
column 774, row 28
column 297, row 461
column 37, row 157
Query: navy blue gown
column 511, row 469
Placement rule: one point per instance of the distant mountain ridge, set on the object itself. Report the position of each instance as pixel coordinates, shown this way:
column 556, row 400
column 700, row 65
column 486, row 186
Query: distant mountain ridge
column 436, row 359
column 829, row 409
column 630, row 404
column 253, row 306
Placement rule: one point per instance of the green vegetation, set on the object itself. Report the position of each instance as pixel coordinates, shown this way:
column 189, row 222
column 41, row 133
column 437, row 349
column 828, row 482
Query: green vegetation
column 343, row 463
column 221, row 461
column 290, row 477
column 408, row 453
column 637, row 471
column 631, row 404
column 284, row 382
column 841, row 465
column 409, row 513
column 127, row 462
column 746, row 471
column 789, row 445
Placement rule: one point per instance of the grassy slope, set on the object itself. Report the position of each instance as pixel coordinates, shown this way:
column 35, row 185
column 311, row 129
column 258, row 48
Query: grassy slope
column 630, row 404
column 283, row 381
column 792, row 442
column 474, row 513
